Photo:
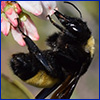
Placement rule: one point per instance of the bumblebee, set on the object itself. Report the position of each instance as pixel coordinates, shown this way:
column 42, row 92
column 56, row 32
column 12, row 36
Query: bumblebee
column 60, row 67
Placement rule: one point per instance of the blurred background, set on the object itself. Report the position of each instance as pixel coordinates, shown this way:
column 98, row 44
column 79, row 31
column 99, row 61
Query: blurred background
column 88, row 85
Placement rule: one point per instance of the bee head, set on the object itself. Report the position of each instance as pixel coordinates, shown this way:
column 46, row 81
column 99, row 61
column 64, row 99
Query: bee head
column 74, row 27
column 21, row 65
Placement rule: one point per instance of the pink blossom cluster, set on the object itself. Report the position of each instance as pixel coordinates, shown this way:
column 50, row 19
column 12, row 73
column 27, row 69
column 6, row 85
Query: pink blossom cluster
column 12, row 16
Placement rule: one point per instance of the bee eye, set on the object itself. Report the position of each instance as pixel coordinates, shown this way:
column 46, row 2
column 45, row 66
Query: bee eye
column 74, row 28
column 73, row 25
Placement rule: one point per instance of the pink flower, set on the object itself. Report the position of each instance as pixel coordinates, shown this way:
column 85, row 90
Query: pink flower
column 48, row 8
column 12, row 16
column 11, row 12
column 5, row 25
column 18, row 37
column 39, row 8
column 34, row 7
column 17, row 8
column 28, row 26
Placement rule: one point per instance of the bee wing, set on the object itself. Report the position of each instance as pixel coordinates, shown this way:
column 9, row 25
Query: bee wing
column 35, row 50
column 67, row 88
column 64, row 90
column 46, row 91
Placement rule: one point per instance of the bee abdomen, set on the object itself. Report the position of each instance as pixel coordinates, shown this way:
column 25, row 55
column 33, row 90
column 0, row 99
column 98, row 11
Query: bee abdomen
column 42, row 79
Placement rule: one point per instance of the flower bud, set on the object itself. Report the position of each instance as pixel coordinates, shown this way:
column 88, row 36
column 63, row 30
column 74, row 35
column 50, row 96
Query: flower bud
column 17, row 35
column 12, row 16
column 28, row 26
column 5, row 25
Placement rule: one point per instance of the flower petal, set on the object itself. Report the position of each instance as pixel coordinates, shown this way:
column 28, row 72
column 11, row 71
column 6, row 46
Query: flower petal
column 17, row 36
column 32, row 6
column 17, row 8
column 28, row 26
column 5, row 25
column 12, row 16
column 3, row 4
column 48, row 8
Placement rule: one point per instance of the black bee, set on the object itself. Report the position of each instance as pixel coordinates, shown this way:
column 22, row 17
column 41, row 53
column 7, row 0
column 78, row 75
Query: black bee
column 71, row 52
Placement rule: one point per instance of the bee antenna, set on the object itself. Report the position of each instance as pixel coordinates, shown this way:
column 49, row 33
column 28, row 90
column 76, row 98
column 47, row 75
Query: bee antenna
column 74, row 7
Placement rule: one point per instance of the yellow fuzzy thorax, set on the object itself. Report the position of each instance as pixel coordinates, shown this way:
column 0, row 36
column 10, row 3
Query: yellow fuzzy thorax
column 90, row 46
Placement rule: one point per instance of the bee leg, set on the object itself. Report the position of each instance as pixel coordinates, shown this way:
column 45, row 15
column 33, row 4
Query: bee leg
column 45, row 92
column 59, row 14
column 35, row 50
column 55, row 24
